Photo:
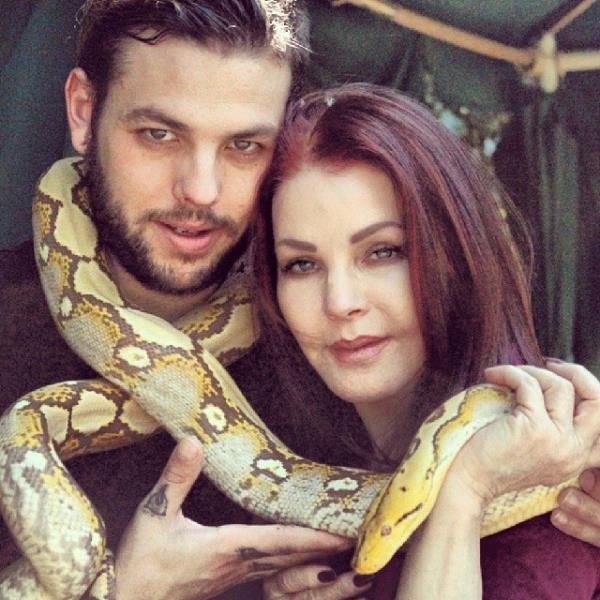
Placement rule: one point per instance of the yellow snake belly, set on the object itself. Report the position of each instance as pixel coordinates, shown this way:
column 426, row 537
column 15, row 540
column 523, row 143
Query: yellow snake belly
column 160, row 375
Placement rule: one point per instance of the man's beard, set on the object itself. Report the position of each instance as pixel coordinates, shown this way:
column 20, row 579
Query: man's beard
column 133, row 253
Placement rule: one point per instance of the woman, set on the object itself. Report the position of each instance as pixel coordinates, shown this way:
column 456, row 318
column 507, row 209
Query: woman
column 385, row 252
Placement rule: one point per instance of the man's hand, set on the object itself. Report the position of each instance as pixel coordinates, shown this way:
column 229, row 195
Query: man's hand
column 165, row 556
column 578, row 512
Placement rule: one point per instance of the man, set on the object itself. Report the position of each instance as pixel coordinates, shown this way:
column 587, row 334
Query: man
column 176, row 107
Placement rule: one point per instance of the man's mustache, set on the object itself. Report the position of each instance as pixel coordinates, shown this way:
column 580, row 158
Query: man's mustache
column 201, row 215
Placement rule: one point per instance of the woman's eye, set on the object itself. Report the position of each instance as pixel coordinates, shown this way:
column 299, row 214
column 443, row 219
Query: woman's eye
column 298, row 266
column 159, row 135
column 387, row 252
column 245, row 146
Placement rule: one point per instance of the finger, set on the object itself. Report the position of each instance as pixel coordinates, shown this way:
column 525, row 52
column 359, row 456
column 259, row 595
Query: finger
column 559, row 394
column 347, row 585
column 575, row 528
column 586, row 384
column 578, row 515
column 590, row 483
column 178, row 476
column 587, row 390
column 281, row 540
column 259, row 565
column 297, row 579
column 580, row 504
column 528, row 394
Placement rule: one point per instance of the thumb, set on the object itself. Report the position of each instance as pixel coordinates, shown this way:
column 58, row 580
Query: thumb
column 176, row 480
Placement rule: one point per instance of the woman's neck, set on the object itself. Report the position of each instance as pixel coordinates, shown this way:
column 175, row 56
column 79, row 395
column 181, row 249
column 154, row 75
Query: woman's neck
column 390, row 425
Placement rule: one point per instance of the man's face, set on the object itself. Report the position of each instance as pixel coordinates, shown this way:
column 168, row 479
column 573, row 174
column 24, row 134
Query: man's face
column 178, row 151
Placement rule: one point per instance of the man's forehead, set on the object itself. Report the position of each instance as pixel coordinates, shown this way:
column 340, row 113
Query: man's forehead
column 172, row 55
column 186, row 81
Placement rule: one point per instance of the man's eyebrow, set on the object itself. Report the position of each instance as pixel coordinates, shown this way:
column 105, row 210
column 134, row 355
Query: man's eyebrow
column 360, row 235
column 150, row 113
column 297, row 244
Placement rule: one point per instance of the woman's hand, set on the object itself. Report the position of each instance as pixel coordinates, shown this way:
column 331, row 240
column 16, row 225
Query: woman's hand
column 547, row 438
column 315, row 582
column 578, row 513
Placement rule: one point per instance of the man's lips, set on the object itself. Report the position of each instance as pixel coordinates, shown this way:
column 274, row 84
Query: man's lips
column 188, row 238
column 361, row 349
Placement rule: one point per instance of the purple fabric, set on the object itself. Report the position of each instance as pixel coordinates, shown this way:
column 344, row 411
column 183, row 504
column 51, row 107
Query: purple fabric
column 535, row 560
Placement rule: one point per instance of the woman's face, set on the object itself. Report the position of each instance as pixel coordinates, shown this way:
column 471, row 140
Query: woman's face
column 343, row 282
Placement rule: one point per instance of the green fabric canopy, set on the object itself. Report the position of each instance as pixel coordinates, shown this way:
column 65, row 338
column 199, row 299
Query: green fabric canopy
column 548, row 154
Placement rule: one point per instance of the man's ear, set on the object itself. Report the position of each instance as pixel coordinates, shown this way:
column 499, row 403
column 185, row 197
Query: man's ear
column 79, row 97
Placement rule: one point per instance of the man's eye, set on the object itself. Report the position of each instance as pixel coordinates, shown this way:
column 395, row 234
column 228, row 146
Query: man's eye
column 245, row 146
column 159, row 135
column 298, row 266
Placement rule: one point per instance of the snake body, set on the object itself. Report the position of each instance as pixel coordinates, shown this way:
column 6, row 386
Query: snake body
column 155, row 374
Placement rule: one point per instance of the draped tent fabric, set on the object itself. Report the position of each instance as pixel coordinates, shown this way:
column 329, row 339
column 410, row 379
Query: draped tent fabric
column 548, row 154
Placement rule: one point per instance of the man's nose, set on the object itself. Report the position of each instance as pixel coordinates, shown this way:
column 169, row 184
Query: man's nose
column 198, row 181
column 344, row 295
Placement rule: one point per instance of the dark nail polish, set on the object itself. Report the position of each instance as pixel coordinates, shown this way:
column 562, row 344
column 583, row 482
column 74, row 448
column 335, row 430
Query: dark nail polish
column 326, row 576
column 361, row 580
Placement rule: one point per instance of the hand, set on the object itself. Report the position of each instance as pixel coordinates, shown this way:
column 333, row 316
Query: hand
column 165, row 556
column 543, row 440
column 314, row 582
column 578, row 513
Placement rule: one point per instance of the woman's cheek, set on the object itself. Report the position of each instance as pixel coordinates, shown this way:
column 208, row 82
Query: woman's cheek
column 300, row 307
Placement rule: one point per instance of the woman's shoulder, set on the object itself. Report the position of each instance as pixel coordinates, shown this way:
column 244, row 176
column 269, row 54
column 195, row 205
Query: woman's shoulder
column 534, row 560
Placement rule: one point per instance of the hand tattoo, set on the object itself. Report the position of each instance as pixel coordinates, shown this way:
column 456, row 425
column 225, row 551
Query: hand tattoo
column 156, row 505
column 251, row 553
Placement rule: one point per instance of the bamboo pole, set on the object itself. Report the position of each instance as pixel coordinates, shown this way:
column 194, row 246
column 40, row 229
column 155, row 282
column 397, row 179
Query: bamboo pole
column 445, row 33
column 520, row 57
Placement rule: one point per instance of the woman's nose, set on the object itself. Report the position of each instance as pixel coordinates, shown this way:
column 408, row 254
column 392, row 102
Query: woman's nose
column 344, row 295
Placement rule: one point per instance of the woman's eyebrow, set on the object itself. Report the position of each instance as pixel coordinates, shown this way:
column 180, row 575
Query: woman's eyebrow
column 360, row 235
column 297, row 244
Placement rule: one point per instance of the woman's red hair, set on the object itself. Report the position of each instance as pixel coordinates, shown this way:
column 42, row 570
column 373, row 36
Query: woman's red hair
column 470, row 284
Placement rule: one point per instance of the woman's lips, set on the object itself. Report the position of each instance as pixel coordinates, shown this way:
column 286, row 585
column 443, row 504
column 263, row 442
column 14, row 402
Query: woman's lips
column 188, row 239
column 359, row 350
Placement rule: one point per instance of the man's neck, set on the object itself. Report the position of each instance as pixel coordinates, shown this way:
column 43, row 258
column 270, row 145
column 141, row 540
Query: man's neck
column 167, row 306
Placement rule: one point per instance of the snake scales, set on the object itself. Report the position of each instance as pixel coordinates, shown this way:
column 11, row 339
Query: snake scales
column 157, row 374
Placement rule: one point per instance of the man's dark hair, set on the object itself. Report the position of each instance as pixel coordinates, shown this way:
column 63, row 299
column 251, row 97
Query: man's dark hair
column 248, row 25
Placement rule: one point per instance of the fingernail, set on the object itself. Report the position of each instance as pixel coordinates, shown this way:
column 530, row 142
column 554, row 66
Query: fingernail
column 569, row 500
column 558, row 518
column 327, row 576
column 587, row 481
column 362, row 580
column 553, row 359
